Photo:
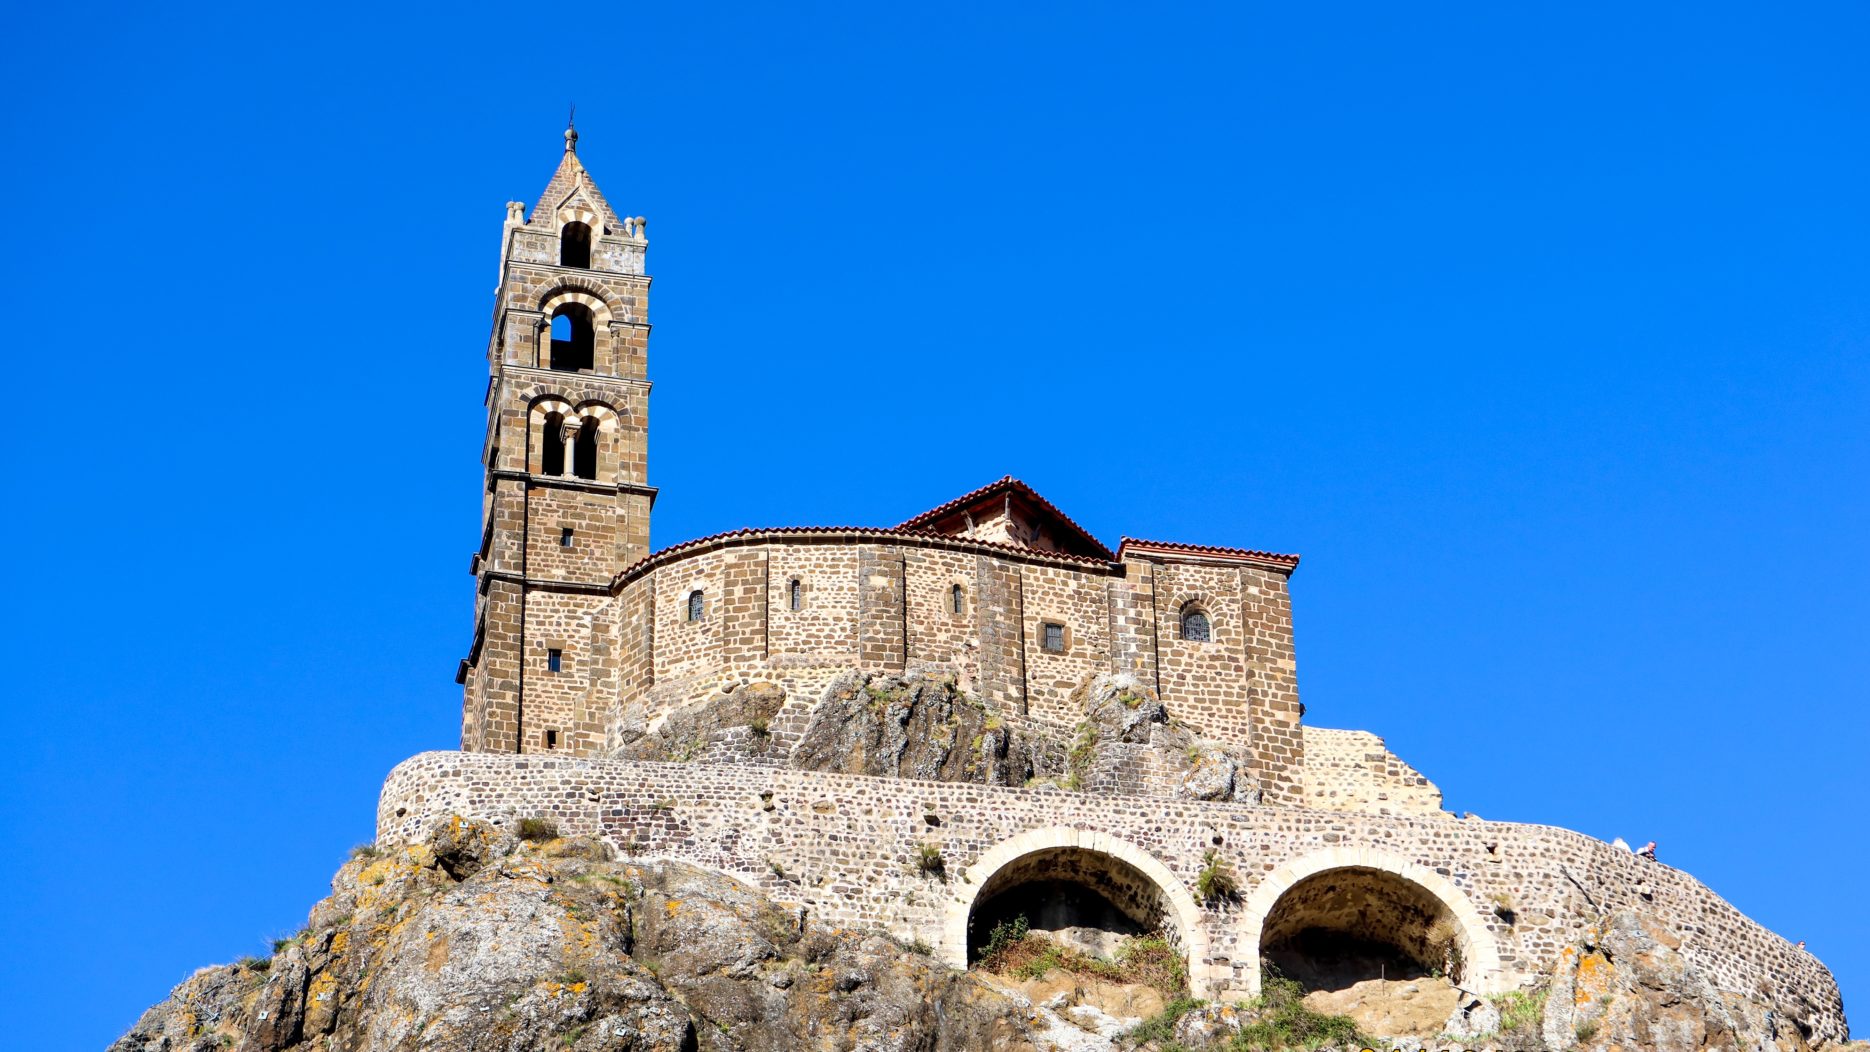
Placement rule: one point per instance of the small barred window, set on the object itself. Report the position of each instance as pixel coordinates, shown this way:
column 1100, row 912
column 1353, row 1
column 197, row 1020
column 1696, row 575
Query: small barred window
column 1053, row 638
column 1195, row 626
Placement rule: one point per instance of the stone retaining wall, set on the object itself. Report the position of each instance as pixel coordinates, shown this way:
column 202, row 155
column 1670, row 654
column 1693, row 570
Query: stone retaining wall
column 844, row 848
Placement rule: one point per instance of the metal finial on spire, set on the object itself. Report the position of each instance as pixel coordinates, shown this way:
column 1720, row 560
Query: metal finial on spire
column 571, row 130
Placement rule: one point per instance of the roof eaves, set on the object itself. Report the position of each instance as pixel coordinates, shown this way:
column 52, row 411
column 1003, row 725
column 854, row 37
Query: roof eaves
column 875, row 533
column 1009, row 482
column 1276, row 560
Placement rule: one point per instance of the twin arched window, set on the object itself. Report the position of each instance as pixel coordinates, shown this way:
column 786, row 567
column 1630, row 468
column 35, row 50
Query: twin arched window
column 1195, row 627
column 582, row 448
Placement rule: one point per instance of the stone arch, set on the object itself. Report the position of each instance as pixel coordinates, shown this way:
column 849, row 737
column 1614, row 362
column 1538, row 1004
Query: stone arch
column 1184, row 601
column 575, row 212
column 539, row 436
column 584, row 294
column 609, row 432
column 1482, row 970
column 1181, row 916
column 576, row 297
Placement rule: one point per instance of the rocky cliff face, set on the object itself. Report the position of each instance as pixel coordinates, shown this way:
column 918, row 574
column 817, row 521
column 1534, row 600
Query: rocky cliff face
column 922, row 726
column 481, row 940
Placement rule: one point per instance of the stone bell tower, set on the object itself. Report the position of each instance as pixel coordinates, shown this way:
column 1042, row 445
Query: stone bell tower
column 566, row 503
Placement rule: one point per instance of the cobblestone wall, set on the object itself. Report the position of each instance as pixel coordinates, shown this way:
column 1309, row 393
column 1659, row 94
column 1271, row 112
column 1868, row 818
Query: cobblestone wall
column 844, row 848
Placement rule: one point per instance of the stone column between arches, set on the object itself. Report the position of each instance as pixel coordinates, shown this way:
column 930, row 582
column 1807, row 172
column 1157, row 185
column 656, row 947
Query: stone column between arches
column 1178, row 905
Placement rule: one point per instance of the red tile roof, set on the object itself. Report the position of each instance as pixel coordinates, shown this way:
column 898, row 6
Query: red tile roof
column 915, row 529
column 1142, row 547
column 1005, row 483
column 750, row 534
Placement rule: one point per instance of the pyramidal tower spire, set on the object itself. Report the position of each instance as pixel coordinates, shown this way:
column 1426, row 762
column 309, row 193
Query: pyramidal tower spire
column 566, row 500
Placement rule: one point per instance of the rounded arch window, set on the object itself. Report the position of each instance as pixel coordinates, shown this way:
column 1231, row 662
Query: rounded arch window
column 584, row 453
column 574, row 339
column 1195, row 626
column 574, row 245
column 695, row 605
column 957, row 599
column 795, row 594
column 552, row 446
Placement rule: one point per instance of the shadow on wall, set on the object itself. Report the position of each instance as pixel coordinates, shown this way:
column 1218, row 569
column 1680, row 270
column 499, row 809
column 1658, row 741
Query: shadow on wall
column 1086, row 899
column 1340, row 927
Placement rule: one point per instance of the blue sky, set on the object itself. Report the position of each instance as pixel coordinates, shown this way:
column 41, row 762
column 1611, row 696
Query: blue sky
column 1543, row 335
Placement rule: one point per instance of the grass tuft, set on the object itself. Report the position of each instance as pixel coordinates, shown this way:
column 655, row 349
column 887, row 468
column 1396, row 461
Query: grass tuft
column 1215, row 882
column 1285, row 1022
column 538, row 830
column 929, row 862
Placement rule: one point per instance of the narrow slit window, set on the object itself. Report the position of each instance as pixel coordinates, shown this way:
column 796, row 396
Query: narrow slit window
column 957, row 600
column 795, row 594
column 555, row 660
column 694, row 605
column 1052, row 637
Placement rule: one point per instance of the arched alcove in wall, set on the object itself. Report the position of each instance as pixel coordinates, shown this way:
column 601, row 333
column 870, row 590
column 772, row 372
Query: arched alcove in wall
column 1340, row 916
column 1080, row 881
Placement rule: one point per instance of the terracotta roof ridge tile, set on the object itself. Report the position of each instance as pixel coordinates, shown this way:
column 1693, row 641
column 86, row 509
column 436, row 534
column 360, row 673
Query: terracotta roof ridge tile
column 1008, row 482
column 881, row 532
column 1205, row 549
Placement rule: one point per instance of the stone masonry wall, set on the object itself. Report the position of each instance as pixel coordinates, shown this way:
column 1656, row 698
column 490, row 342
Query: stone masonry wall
column 823, row 629
column 884, row 607
column 541, row 590
column 1080, row 604
column 1354, row 771
column 843, row 847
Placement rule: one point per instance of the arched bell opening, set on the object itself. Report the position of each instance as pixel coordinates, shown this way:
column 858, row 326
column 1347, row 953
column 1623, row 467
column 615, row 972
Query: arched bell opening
column 573, row 339
column 584, row 455
column 574, row 246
